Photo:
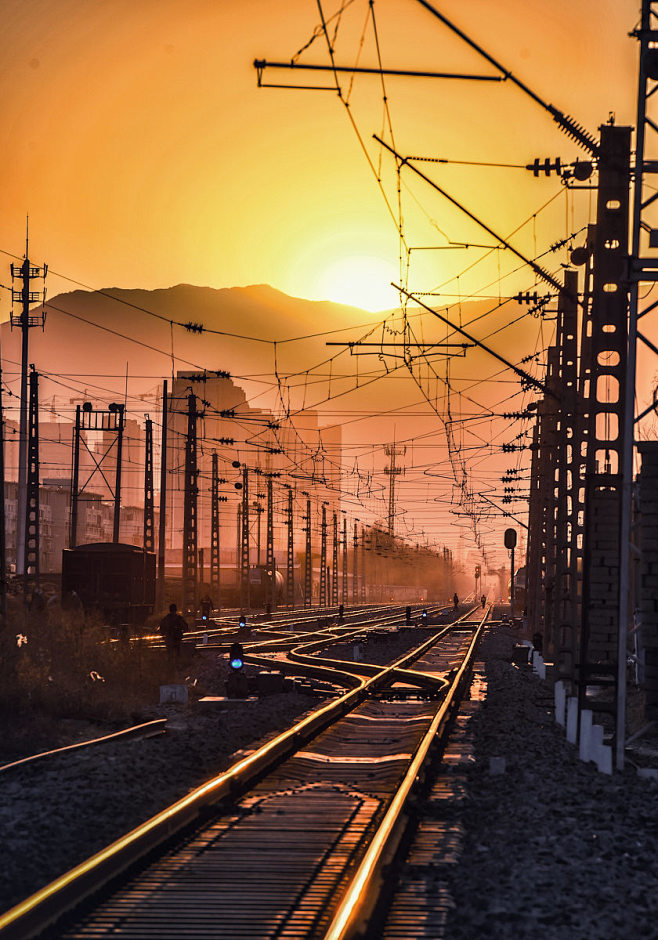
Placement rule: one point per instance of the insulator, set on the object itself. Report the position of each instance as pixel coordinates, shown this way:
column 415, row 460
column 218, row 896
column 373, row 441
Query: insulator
column 576, row 131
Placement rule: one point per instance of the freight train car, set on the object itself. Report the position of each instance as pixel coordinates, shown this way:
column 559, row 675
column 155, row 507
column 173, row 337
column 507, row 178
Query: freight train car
column 113, row 578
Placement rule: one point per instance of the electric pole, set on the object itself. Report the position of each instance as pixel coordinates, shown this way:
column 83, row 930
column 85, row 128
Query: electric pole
column 32, row 540
column 163, row 500
column 308, row 562
column 392, row 472
column 149, row 507
column 270, row 563
column 25, row 273
column 323, row 558
column 355, row 566
column 334, row 577
column 214, row 529
column 190, row 506
column 117, row 485
column 245, row 599
column 3, row 531
column 290, row 558
column 344, row 584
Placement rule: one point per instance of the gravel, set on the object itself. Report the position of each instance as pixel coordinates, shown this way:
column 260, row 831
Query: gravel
column 553, row 849
column 58, row 812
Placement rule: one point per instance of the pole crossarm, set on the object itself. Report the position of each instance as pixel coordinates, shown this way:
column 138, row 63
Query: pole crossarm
column 539, row 271
column 261, row 64
column 510, row 365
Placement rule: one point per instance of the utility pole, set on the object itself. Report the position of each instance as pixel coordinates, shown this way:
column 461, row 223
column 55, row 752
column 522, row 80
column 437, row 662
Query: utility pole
column 363, row 565
column 149, row 507
column 355, row 565
column 308, row 561
column 568, row 471
column 245, row 599
column 3, row 531
column 258, row 509
column 25, row 273
column 117, row 484
column 290, row 557
column 190, row 506
column 270, row 563
column 214, row 530
column 643, row 271
column 344, row 585
column 75, row 478
column 323, row 558
column 32, row 541
column 162, row 530
column 334, row 578
column 392, row 471
column 605, row 544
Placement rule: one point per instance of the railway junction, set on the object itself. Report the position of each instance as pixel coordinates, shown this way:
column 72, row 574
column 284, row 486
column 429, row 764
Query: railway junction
column 374, row 806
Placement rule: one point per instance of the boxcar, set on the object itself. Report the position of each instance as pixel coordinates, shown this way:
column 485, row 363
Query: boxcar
column 113, row 578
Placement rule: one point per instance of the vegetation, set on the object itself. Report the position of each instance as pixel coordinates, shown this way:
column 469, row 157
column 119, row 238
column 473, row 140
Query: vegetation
column 60, row 664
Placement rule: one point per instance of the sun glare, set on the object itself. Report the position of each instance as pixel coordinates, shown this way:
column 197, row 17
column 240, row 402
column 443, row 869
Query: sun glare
column 361, row 281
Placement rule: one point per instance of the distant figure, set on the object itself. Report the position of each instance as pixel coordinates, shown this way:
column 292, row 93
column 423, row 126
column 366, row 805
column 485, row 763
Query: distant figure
column 455, row 600
column 172, row 628
column 483, row 600
column 207, row 605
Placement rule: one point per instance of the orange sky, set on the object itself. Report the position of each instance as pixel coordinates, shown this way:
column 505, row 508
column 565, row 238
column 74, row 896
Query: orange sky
column 135, row 136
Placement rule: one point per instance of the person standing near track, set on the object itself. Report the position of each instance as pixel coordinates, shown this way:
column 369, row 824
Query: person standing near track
column 172, row 628
column 455, row 600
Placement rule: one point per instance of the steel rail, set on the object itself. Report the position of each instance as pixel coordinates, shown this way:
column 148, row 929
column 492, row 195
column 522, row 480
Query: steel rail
column 359, row 902
column 146, row 730
column 38, row 912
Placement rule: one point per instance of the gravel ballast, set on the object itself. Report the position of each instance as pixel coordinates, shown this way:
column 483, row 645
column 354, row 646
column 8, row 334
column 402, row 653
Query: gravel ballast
column 553, row 849
column 59, row 811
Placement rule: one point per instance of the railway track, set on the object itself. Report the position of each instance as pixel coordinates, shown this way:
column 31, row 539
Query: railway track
column 147, row 729
column 292, row 840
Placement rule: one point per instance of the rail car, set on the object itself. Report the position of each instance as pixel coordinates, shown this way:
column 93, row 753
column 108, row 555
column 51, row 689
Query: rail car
column 113, row 578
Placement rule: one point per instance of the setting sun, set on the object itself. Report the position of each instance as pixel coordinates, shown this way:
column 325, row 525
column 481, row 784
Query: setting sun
column 361, row 281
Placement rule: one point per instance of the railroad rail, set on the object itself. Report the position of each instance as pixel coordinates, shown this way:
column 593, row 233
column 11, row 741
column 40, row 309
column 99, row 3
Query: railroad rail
column 147, row 729
column 289, row 842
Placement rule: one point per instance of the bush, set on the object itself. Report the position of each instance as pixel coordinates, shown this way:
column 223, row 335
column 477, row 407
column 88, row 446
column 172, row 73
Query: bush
column 63, row 664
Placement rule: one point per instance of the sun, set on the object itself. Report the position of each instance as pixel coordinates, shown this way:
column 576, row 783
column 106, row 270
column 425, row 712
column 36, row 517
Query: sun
column 360, row 281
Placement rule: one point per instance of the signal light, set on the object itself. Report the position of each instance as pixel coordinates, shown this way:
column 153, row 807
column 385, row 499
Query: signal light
column 236, row 656
column 423, row 617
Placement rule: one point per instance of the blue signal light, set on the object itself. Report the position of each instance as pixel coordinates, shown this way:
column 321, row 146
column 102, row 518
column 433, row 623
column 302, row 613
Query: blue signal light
column 236, row 657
